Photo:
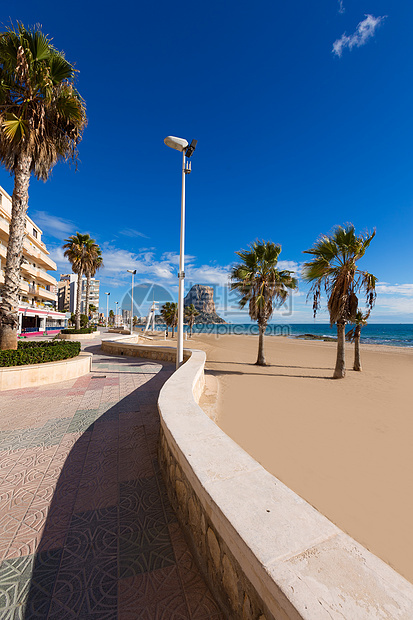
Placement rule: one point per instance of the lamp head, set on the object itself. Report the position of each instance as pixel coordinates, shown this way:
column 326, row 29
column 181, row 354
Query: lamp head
column 131, row 271
column 107, row 293
column 179, row 144
column 191, row 148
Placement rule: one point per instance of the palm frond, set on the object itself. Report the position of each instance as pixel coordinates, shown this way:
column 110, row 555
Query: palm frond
column 59, row 69
column 258, row 282
column 334, row 267
column 36, row 87
column 14, row 128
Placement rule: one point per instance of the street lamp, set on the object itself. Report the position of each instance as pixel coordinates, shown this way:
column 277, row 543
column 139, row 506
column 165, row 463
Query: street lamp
column 133, row 272
column 107, row 309
column 180, row 144
column 116, row 313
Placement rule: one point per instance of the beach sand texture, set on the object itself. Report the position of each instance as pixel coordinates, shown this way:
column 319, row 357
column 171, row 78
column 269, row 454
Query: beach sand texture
column 344, row 445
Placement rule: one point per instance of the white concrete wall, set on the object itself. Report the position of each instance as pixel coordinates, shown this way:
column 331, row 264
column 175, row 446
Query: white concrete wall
column 266, row 552
column 32, row 375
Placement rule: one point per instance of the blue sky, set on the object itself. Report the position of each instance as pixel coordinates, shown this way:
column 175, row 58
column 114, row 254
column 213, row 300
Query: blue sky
column 304, row 118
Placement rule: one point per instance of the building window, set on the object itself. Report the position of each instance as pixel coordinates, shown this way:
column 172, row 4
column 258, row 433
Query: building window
column 34, row 233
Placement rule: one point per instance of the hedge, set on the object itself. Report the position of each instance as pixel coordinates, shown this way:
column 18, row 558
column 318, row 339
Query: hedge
column 82, row 330
column 39, row 352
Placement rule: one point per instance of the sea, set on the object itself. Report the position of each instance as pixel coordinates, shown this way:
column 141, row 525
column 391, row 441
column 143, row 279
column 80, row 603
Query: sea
column 394, row 334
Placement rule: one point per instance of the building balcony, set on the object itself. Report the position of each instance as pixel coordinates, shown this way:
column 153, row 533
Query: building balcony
column 28, row 268
column 41, row 257
column 24, row 286
column 43, row 276
column 45, row 294
column 4, row 227
column 38, row 274
column 3, row 250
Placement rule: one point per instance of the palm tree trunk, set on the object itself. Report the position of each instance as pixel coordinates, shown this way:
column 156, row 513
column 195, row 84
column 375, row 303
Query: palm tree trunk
column 78, row 299
column 357, row 363
column 172, row 327
column 87, row 294
column 9, row 307
column 340, row 369
column 261, row 358
column 191, row 324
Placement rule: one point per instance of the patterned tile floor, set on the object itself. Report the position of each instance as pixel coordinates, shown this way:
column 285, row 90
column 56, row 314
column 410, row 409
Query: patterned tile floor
column 86, row 529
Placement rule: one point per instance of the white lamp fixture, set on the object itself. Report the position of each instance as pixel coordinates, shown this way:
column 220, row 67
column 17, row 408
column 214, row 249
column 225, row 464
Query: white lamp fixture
column 180, row 144
column 133, row 272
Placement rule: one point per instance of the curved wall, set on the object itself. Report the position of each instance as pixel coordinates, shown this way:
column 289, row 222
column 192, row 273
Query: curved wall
column 78, row 337
column 266, row 553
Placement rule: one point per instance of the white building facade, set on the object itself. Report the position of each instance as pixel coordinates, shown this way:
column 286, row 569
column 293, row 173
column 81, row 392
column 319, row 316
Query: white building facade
column 38, row 298
column 93, row 293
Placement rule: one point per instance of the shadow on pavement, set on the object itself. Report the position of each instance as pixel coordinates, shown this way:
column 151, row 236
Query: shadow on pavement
column 111, row 545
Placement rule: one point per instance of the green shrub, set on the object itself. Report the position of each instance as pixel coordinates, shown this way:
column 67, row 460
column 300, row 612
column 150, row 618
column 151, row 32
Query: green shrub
column 82, row 330
column 84, row 320
column 39, row 352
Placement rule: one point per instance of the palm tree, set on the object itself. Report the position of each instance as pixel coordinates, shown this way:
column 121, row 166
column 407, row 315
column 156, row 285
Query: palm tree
column 169, row 313
column 259, row 283
column 360, row 320
column 334, row 268
column 42, row 118
column 78, row 249
column 190, row 313
column 92, row 309
column 165, row 314
column 94, row 262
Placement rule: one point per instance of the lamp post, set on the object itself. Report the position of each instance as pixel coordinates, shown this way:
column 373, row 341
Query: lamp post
column 180, row 144
column 116, row 313
column 133, row 272
column 107, row 309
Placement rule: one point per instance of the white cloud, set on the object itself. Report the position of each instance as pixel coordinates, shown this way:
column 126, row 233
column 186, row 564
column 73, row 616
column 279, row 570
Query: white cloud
column 406, row 290
column 117, row 261
column 52, row 225
column 290, row 265
column 341, row 8
column 393, row 306
column 208, row 274
column 56, row 254
column 131, row 232
column 173, row 258
column 364, row 31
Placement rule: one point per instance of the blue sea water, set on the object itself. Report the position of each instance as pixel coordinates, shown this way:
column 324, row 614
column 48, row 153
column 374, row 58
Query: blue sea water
column 399, row 335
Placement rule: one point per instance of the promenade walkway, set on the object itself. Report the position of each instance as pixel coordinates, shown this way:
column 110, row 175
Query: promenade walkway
column 86, row 529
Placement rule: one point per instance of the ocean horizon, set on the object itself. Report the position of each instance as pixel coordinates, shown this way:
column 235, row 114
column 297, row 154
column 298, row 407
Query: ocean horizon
column 393, row 334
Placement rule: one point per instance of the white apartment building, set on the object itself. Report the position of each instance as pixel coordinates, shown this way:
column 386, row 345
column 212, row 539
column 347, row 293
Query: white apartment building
column 37, row 308
column 93, row 292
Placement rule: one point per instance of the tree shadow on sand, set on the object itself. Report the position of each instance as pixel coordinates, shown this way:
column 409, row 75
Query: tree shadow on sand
column 270, row 365
column 219, row 373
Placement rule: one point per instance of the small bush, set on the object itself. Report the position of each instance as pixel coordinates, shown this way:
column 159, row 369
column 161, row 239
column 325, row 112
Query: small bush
column 82, row 330
column 39, row 352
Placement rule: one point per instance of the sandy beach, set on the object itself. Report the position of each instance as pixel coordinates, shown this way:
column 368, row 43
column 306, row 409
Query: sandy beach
column 343, row 445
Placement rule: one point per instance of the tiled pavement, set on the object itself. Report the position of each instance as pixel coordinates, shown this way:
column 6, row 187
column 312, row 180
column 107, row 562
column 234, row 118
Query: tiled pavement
column 86, row 529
